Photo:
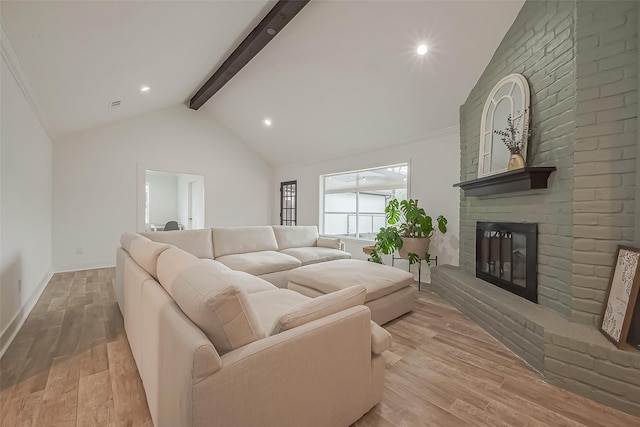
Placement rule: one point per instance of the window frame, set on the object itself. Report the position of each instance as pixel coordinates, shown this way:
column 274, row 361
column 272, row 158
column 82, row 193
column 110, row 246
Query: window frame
column 322, row 195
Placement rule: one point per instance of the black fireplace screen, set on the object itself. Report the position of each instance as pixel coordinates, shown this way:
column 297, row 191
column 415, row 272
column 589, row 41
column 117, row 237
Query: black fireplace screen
column 506, row 255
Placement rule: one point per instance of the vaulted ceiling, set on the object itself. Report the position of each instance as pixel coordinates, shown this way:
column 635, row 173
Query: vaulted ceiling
column 342, row 77
column 80, row 55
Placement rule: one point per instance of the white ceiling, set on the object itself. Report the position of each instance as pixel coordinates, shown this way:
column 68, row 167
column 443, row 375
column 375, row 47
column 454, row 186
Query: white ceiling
column 342, row 77
column 80, row 55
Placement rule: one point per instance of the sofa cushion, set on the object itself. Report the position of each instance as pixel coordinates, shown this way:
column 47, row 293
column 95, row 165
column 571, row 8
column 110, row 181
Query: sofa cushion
column 258, row 263
column 271, row 305
column 248, row 282
column 320, row 307
column 220, row 309
column 146, row 253
column 380, row 280
column 240, row 240
column 315, row 254
column 196, row 242
column 329, row 242
column 217, row 274
column 174, row 261
column 295, row 236
column 128, row 237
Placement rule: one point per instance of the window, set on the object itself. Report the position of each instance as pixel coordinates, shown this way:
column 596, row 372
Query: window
column 510, row 96
column 288, row 211
column 354, row 202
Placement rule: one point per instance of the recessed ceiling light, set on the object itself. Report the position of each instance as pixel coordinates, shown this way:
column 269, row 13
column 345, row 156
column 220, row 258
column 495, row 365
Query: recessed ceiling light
column 422, row 49
column 145, row 89
column 364, row 178
column 267, row 122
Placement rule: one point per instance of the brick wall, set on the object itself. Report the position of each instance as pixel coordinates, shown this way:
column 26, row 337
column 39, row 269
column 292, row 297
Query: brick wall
column 540, row 46
column 581, row 61
column 605, row 147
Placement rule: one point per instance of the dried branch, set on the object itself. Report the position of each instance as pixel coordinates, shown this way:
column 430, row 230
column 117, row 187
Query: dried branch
column 514, row 139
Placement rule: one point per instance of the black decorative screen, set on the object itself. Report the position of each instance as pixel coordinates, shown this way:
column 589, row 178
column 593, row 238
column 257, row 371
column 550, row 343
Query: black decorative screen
column 506, row 255
column 288, row 198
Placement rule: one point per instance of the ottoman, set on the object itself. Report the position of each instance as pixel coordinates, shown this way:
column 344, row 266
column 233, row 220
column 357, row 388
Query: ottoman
column 389, row 290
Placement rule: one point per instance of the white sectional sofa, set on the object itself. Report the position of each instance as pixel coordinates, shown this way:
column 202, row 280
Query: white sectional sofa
column 268, row 252
column 218, row 346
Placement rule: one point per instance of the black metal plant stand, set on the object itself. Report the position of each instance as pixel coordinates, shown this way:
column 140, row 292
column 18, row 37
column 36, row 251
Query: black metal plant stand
column 433, row 258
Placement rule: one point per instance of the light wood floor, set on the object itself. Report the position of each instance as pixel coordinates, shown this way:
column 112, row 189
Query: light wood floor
column 70, row 364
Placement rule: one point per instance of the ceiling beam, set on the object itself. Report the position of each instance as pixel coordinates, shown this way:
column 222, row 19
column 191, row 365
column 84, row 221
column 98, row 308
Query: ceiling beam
column 277, row 18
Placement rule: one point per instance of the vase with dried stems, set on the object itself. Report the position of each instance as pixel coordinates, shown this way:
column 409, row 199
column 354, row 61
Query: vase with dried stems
column 515, row 137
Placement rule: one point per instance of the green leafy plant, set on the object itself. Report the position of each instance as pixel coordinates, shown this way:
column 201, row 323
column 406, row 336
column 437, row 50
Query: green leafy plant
column 405, row 219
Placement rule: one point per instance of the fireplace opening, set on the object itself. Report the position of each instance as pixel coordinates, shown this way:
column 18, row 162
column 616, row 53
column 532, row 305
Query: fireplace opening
column 506, row 255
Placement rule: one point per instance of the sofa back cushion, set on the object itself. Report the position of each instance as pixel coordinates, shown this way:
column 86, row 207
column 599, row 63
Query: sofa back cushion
column 210, row 298
column 320, row 307
column 128, row 237
column 196, row 242
column 146, row 253
column 299, row 236
column 174, row 261
column 241, row 240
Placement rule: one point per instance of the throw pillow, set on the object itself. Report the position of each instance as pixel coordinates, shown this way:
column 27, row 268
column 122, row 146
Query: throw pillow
column 320, row 307
column 326, row 242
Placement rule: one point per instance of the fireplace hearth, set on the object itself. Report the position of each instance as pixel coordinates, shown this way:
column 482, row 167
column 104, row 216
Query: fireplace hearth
column 506, row 256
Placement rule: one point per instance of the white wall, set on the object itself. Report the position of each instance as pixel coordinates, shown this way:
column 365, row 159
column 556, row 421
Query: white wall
column 434, row 166
column 25, row 202
column 98, row 178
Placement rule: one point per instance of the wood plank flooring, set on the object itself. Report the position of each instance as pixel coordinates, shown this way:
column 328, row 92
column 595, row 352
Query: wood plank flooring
column 443, row 369
column 70, row 365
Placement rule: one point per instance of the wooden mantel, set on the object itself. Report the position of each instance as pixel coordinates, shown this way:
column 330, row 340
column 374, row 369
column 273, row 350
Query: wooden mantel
column 528, row 178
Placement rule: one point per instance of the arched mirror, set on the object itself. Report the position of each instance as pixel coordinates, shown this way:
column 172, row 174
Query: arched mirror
column 510, row 96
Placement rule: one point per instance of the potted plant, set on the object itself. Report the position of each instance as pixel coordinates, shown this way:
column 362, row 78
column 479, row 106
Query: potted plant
column 409, row 232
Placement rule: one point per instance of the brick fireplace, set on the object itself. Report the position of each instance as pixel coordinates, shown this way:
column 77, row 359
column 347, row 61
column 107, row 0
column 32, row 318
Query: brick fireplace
column 581, row 61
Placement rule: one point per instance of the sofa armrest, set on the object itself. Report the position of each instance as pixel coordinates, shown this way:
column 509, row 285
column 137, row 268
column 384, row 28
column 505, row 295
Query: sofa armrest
column 311, row 372
column 176, row 355
column 380, row 339
column 330, row 242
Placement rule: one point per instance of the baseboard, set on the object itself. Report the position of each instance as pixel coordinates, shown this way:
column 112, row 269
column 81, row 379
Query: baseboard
column 90, row 265
column 10, row 332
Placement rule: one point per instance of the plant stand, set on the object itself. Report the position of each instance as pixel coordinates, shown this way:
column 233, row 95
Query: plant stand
column 433, row 258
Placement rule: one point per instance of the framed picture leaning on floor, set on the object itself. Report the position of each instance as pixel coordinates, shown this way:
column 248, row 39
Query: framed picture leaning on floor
column 621, row 296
